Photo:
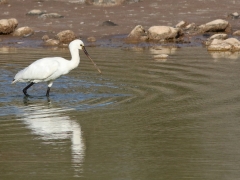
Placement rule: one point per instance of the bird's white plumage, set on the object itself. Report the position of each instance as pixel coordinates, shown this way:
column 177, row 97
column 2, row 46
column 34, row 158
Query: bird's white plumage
column 48, row 69
column 38, row 71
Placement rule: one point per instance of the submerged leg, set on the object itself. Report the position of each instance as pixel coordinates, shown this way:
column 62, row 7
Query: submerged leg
column 26, row 88
column 48, row 89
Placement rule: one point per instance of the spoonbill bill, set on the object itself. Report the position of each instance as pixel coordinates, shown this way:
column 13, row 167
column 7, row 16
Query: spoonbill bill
column 50, row 68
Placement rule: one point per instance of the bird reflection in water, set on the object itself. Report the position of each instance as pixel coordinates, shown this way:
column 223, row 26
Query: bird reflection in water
column 51, row 123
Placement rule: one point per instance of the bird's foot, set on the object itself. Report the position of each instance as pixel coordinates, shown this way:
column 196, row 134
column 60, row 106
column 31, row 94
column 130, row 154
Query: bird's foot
column 25, row 93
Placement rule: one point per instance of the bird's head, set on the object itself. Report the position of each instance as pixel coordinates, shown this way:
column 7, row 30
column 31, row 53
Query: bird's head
column 81, row 45
column 77, row 43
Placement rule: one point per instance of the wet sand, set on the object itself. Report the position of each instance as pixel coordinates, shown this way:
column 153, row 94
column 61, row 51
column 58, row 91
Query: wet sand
column 86, row 20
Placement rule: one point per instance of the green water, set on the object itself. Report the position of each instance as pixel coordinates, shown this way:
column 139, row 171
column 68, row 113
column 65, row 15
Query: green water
column 142, row 118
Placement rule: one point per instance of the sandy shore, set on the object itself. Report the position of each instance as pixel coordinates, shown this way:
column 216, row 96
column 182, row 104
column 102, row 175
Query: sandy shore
column 86, row 20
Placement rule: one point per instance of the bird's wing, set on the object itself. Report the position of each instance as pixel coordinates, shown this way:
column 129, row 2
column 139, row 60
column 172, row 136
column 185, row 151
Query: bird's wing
column 38, row 70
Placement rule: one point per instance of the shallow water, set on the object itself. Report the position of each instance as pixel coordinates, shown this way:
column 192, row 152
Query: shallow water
column 143, row 118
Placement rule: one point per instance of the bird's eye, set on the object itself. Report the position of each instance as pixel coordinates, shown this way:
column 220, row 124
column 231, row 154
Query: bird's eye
column 81, row 45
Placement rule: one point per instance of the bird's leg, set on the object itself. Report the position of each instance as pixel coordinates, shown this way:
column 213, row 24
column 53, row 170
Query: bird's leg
column 26, row 88
column 48, row 90
column 49, row 86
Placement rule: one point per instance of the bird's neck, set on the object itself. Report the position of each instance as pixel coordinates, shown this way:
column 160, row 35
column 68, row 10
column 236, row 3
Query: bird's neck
column 75, row 58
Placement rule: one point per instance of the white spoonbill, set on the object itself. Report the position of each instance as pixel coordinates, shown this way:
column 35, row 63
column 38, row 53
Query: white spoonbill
column 50, row 68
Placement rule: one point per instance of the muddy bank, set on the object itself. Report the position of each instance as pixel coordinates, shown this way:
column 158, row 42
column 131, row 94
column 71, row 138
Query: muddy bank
column 87, row 20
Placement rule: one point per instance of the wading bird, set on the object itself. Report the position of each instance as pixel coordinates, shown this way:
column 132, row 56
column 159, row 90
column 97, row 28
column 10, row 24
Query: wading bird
column 50, row 68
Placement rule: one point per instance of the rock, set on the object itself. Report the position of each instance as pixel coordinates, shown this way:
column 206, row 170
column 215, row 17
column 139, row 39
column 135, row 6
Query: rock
column 36, row 12
column 66, row 36
column 91, row 39
column 230, row 44
column 7, row 26
column 45, row 37
column 190, row 26
column 132, row 1
column 138, row 33
column 23, row 31
column 236, row 33
column 160, row 33
column 218, row 36
column 234, row 15
column 52, row 42
column 181, row 24
column 219, row 45
column 3, row 1
column 110, row 2
column 234, row 42
column 105, row 2
column 108, row 23
column 218, row 25
column 51, row 15
column 215, row 36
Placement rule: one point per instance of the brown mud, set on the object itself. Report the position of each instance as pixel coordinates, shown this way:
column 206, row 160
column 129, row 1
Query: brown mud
column 86, row 20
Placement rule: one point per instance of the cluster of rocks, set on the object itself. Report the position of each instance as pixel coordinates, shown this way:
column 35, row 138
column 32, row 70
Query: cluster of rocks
column 229, row 44
column 217, row 42
column 63, row 37
column 168, row 33
column 221, row 40
column 9, row 26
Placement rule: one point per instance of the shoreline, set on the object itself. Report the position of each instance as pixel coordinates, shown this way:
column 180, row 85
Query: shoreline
column 85, row 20
column 114, row 41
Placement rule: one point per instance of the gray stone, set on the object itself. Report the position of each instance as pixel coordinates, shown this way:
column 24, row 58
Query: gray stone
column 51, row 15
column 108, row 23
column 110, row 2
column 234, row 15
column 132, row 1
column 36, row 12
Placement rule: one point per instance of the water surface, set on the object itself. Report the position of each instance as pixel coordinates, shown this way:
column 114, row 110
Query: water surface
column 143, row 118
